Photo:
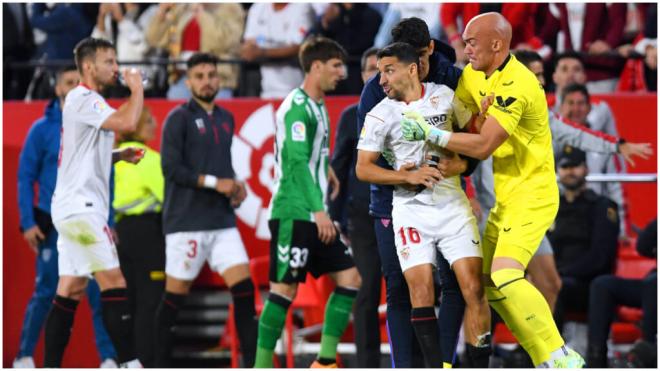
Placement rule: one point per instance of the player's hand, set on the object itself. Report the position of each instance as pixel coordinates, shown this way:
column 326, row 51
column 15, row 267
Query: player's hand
column 414, row 127
column 327, row 231
column 131, row 154
column 334, row 183
column 133, row 79
column 250, row 50
column 630, row 150
column 450, row 167
column 226, row 186
column 426, row 175
column 239, row 195
column 34, row 236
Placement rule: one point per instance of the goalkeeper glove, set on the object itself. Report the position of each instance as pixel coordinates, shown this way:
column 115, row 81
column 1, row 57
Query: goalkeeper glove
column 415, row 128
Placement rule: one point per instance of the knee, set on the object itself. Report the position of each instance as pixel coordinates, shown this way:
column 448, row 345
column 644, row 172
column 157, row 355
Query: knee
column 349, row 278
column 473, row 291
column 422, row 292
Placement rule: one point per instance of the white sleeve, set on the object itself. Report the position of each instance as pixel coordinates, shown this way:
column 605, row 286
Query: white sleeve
column 373, row 134
column 94, row 111
column 251, row 30
column 462, row 113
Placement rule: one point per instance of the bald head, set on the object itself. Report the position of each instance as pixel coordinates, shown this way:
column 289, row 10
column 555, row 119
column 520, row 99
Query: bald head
column 488, row 39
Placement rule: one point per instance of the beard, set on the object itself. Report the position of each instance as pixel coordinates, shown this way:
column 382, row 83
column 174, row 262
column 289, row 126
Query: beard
column 208, row 98
column 573, row 183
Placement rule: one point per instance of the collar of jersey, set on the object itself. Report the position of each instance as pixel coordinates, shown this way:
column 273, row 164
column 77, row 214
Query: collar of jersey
column 501, row 67
column 310, row 98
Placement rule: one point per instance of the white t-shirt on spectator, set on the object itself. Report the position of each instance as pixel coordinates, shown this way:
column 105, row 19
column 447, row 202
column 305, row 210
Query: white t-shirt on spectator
column 275, row 29
column 85, row 159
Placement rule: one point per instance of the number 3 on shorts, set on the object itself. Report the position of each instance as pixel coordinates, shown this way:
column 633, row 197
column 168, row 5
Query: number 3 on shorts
column 193, row 249
column 413, row 235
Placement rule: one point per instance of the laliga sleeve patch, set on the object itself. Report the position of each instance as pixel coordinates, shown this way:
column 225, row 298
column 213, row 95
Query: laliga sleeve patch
column 298, row 132
column 99, row 106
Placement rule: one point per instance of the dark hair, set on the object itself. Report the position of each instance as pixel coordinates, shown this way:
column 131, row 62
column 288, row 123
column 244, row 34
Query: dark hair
column 404, row 52
column 413, row 31
column 201, row 58
column 63, row 70
column 367, row 53
column 575, row 88
column 526, row 57
column 87, row 48
column 568, row 55
column 319, row 48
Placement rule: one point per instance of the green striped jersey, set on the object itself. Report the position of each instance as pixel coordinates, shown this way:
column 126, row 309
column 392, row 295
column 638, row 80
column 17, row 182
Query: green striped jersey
column 301, row 155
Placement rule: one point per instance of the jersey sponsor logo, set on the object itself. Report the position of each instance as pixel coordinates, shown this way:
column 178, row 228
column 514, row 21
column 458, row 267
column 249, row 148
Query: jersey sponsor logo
column 438, row 121
column 502, row 103
column 298, row 132
column 99, row 106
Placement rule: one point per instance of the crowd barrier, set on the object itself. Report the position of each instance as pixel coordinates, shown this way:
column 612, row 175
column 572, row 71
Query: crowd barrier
column 252, row 152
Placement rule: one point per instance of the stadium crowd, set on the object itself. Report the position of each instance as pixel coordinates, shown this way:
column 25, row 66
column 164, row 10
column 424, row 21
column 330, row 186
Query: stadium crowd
column 253, row 50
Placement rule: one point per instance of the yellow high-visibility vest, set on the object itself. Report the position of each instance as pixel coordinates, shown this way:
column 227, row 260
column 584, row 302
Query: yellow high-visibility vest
column 139, row 188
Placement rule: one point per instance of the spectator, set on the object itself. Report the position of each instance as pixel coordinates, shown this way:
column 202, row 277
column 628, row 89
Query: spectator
column 583, row 236
column 183, row 29
column 565, row 29
column 273, row 34
column 569, row 69
column 520, row 15
column 575, row 107
column 647, row 47
column 609, row 291
column 17, row 47
column 354, row 27
column 138, row 202
column 428, row 12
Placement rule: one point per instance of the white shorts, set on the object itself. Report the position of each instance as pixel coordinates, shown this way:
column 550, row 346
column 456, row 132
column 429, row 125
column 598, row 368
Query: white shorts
column 186, row 252
column 85, row 245
column 420, row 230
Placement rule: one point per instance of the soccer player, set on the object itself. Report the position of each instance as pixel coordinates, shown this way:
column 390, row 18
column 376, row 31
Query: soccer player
column 80, row 204
column 38, row 164
column 436, row 65
column 199, row 222
column 304, row 238
column 438, row 217
column 516, row 132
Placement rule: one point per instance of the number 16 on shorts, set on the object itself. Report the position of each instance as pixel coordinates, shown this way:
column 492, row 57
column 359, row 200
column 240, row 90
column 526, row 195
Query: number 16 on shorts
column 406, row 237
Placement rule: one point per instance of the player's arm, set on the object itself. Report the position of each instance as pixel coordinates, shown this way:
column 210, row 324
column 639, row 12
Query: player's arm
column 368, row 171
column 29, row 163
column 125, row 119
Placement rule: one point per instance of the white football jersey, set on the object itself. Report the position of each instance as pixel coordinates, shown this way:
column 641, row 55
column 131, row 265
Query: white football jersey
column 85, row 159
column 382, row 132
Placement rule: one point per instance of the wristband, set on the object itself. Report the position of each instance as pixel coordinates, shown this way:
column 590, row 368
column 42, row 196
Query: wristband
column 210, row 181
column 438, row 137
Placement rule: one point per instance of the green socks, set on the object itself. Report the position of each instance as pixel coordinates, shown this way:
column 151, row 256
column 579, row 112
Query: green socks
column 337, row 314
column 270, row 328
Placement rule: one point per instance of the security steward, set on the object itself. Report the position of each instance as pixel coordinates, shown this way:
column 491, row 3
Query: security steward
column 583, row 236
column 141, row 247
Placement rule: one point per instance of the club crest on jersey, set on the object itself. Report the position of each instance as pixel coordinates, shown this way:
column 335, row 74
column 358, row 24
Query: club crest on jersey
column 298, row 132
column 435, row 100
column 99, row 106
column 200, row 125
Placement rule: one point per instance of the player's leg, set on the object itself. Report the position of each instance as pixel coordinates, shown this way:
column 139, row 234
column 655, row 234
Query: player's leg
column 404, row 351
column 70, row 290
column 286, row 269
column 228, row 257
column 336, row 261
column 542, row 271
column 185, row 254
column 40, row 303
column 450, row 314
column 103, row 342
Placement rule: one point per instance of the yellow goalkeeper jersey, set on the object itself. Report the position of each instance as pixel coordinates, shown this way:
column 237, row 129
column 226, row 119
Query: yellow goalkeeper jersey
column 523, row 166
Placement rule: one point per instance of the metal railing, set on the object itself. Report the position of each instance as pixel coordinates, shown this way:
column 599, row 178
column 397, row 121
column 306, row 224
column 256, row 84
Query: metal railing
column 626, row 178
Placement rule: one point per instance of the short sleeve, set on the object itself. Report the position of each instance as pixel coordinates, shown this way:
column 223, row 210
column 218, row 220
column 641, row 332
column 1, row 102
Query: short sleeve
column 508, row 108
column 461, row 111
column 373, row 133
column 94, row 110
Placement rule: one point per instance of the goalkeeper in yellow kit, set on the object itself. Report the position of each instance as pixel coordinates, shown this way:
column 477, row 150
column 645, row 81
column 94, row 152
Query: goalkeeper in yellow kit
column 517, row 134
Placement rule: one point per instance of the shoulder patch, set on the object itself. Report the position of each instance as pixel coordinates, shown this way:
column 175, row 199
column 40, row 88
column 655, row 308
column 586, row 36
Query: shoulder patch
column 298, row 99
column 298, row 131
column 99, row 106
